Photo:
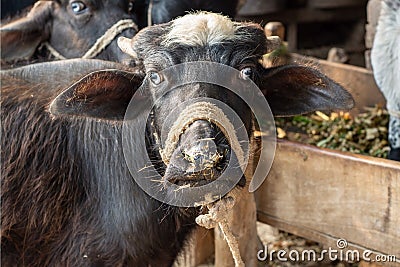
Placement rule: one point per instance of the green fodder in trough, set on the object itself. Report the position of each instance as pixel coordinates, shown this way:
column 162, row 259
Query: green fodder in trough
column 364, row 134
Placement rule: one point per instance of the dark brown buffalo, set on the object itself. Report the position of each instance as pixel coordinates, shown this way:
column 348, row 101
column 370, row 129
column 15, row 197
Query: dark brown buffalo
column 70, row 27
column 68, row 198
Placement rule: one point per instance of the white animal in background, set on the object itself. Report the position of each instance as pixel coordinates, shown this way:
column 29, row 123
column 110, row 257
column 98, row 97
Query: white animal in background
column 385, row 59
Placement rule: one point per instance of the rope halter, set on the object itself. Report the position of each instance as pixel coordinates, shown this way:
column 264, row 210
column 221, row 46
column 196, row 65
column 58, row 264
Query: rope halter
column 102, row 42
column 218, row 212
column 202, row 111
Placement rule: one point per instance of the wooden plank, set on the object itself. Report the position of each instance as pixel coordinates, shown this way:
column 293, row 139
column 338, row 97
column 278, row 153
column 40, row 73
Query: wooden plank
column 325, row 195
column 358, row 81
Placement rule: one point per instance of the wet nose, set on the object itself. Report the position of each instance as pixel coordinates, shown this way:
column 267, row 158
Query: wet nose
column 203, row 154
column 203, row 146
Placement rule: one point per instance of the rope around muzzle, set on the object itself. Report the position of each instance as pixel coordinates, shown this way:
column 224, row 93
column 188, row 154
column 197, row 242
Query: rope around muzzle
column 219, row 210
column 102, row 42
column 201, row 111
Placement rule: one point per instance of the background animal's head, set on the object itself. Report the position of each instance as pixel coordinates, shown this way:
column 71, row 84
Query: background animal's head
column 157, row 12
column 71, row 27
column 201, row 37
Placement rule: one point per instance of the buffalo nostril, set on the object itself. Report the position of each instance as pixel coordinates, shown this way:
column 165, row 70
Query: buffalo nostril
column 197, row 157
column 203, row 154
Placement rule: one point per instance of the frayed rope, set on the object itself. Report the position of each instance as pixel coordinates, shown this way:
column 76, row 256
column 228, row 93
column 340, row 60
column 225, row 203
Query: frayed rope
column 219, row 210
column 202, row 111
column 217, row 213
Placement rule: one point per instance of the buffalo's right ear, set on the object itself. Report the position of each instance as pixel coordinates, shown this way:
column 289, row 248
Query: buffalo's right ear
column 19, row 39
column 292, row 90
column 101, row 94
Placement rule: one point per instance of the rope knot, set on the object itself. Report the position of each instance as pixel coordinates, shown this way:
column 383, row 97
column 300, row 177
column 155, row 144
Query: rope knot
column 217, row 213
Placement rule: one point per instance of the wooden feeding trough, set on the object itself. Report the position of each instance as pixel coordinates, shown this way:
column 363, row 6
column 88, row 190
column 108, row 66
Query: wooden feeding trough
column 326, row 195
column 320, row 194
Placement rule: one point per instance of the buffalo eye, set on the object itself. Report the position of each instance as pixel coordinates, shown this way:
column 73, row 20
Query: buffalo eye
column 246, row 73
column 155, row 77
column 78, row 7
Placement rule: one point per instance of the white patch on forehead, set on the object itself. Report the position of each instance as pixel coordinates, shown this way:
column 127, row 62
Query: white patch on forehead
column 200, row 29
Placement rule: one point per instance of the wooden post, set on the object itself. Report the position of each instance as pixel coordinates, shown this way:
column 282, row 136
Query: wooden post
column 199, row 249
column 242, row 222
column 275, row 28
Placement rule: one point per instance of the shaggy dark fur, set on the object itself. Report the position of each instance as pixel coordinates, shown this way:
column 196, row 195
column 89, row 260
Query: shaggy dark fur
column 66, row 204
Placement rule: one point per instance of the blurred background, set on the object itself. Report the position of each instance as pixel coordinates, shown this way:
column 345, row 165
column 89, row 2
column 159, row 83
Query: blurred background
column 311, row 27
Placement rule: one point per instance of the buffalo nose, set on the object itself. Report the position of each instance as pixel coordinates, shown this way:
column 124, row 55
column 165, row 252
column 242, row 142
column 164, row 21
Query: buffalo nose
column 203, row 154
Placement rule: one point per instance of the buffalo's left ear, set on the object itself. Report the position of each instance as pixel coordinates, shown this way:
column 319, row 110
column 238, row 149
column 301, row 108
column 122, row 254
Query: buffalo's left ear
column 101, row 94
column 20, row 38
column 293, row 89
